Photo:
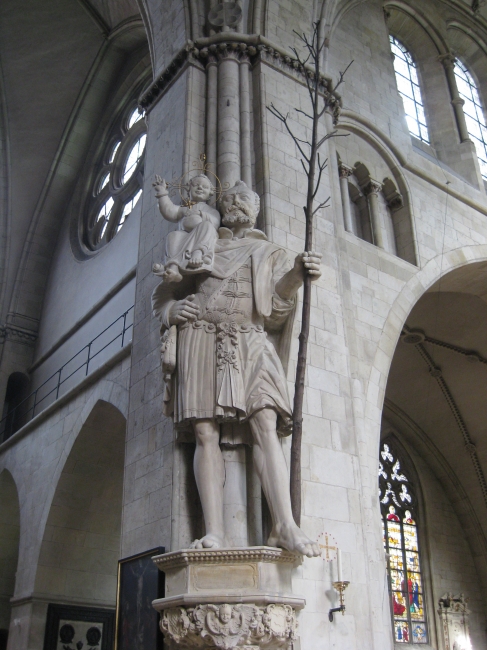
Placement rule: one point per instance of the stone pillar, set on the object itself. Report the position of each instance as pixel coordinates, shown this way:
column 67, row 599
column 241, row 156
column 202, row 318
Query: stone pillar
column 211, row 111
column 245, row 156
column 448, row 61
column 235, row 496
column 228, row 115
column 345, row 173
column 254, row 502
column 371, row 190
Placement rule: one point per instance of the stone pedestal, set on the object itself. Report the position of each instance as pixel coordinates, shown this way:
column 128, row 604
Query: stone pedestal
column 228, row 598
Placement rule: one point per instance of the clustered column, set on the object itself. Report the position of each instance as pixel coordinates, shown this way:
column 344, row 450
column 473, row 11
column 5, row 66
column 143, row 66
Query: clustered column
column 228, row 117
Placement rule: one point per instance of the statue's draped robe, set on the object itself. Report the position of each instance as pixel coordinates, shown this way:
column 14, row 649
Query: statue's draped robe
column 227, row 368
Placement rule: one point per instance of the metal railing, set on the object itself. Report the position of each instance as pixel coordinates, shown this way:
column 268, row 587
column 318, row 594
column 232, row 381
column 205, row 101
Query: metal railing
column 26, row 409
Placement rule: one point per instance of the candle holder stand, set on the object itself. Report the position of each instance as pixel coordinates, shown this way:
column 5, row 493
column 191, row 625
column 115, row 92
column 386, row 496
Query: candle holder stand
column 340, row 586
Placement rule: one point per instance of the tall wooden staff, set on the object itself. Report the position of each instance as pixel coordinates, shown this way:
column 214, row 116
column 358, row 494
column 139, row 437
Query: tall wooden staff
column 313, row 166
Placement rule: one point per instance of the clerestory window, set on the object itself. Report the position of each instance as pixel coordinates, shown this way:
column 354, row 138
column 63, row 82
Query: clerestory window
column 116, row 186
column 474, row 113
column 399, row 512
column 409, row 89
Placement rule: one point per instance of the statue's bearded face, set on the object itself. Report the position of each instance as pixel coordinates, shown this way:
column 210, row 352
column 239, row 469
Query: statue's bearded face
column 238, row 206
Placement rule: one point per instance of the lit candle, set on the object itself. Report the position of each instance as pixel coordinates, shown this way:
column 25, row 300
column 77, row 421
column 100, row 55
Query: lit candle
column 339, row 565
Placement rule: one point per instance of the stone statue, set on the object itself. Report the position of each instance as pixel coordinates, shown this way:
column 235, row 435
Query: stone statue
column 189, row 250
column 221, row 367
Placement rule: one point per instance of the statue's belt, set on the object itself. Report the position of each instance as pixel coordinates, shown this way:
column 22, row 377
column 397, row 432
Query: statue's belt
column 219, row 327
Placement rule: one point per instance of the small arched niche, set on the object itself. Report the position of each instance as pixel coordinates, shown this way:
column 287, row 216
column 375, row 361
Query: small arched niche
column 80, row 550
column 9, row 549
column 376, row 210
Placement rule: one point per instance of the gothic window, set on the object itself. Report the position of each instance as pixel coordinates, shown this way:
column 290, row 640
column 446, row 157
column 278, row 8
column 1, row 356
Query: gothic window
column 408, row 87
column 400, row 529
column 116, row 185
column 474, row 113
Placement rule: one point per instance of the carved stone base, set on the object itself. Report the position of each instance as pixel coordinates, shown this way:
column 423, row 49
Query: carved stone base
column 229, row 598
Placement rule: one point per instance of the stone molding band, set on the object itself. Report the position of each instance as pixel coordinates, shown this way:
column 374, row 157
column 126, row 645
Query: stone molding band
column 17, row 334
column 224, row 556
column 243, row 48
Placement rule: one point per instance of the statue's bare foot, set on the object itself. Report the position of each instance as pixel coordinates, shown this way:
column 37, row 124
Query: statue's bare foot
column 196, row 259
column 292, row 538
column 208, row 541
column 172, row 274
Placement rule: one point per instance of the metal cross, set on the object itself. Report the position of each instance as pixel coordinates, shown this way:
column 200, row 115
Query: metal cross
column 327, row 546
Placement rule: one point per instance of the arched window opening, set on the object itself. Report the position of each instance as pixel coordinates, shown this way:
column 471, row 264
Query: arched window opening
column 398, row 506
column 14, row 406
column 116, row 185
column 474, row 113
column 409, row 89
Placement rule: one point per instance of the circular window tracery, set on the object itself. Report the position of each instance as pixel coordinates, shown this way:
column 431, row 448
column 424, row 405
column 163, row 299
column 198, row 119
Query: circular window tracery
column 117, row 185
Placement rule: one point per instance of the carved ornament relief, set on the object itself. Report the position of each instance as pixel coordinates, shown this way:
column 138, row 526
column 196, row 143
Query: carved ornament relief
column 229, row 626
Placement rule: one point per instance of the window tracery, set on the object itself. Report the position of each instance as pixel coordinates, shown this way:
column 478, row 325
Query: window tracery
column 117, row 183
column 400, row 533
column 409, row 89
column 474, row 112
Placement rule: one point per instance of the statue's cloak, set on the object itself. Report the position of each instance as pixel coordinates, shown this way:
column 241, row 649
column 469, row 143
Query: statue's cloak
column 268, row 263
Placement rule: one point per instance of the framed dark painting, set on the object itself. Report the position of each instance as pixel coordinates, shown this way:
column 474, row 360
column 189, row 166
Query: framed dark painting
column 139, row 583
column 69, row 627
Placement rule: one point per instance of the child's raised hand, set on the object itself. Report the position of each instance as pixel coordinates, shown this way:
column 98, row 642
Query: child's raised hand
column 160, row 186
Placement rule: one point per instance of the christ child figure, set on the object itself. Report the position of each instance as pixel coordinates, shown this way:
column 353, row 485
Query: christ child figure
column 190, row 249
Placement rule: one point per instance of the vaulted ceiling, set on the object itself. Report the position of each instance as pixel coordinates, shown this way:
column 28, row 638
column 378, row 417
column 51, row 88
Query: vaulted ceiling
column 47, row 49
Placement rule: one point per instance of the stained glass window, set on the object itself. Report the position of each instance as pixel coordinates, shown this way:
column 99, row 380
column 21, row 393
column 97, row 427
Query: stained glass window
column 116, row 180
column 409, row 89
column 400, row 530
column 474, row 113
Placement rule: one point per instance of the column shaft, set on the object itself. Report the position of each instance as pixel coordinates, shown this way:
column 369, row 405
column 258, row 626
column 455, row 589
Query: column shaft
column 448, row 61
column 245, row 148
column 211, row 113
column 372, row 191
column 345, row 172
column 228, row 119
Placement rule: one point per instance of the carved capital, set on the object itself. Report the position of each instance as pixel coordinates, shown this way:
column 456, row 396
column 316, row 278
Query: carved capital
column 18, row 334
column 225, row 626
column 458, row 102
column 372, row 187
column 344, row 170
column 447, row 60
column 228, row 51
column 392, row 195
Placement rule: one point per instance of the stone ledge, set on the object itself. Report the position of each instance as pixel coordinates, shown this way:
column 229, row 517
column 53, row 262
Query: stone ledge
column 187, row 557
column 192, row 600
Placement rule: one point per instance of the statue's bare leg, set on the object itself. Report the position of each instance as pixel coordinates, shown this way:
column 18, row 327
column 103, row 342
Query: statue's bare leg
column 272, row 471
column 209, row 471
